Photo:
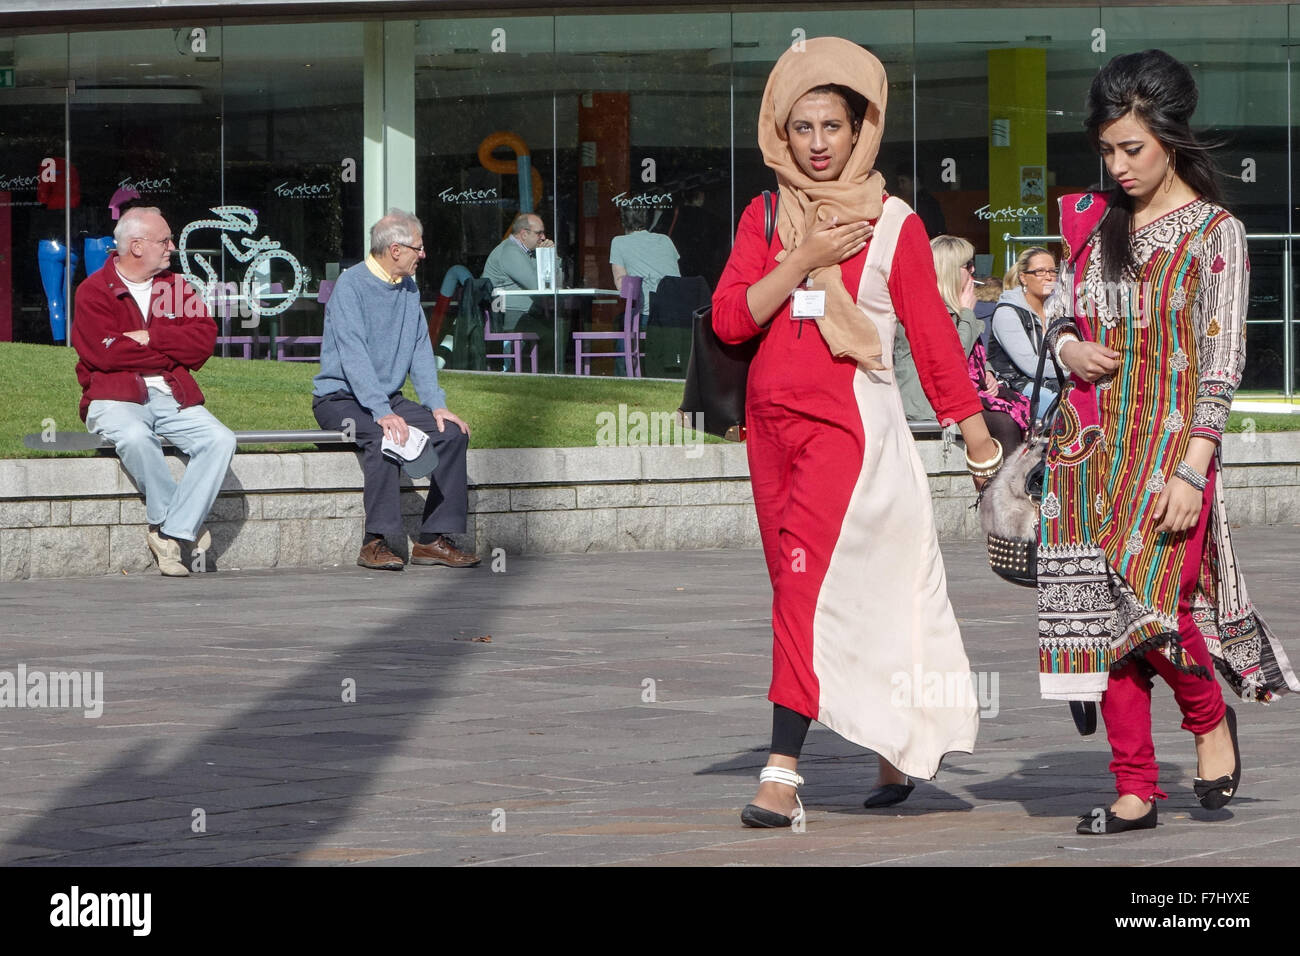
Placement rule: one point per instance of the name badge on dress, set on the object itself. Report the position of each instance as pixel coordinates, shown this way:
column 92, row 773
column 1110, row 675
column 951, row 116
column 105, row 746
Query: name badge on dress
column 809, row 304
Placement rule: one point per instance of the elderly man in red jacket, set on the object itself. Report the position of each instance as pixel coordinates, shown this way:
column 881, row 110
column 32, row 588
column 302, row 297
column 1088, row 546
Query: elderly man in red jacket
column 140, row 331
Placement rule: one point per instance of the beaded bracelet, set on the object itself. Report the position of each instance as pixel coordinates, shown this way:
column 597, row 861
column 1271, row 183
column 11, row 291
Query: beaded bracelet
column 1189, row 475
column 986, row 469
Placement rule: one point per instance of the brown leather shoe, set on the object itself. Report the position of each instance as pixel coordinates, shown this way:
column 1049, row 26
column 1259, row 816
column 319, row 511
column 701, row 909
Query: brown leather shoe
column 443, row 552
column 377, row 556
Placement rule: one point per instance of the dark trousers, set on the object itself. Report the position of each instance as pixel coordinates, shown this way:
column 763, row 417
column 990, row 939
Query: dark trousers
column 445, row 508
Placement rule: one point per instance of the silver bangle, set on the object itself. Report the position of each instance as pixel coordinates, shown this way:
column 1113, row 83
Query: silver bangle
column 1189, row 475
column 1060, row 341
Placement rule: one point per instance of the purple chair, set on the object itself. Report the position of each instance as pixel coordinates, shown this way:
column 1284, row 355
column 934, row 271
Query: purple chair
column 322, row 296
column 222, row 299
column 284, row 341
column 627, row 340
column 512, row 343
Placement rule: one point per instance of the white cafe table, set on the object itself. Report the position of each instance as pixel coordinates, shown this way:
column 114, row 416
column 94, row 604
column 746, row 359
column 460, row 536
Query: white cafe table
column 595, row 295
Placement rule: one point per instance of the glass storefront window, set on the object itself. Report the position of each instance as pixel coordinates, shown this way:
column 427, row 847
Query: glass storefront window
column 293, row 157
column 999, row 108
column 647, row 150
column 1239, row 58
column 575, row 117
column 145, row 126
column 32, row 206
column 485, row 151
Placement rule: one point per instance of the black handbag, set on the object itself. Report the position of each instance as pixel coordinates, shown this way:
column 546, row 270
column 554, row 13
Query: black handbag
column 1008, row 505
column 717, row 374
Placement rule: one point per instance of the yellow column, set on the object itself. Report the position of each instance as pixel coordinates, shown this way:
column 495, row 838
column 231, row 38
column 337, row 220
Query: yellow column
column 1017, row 146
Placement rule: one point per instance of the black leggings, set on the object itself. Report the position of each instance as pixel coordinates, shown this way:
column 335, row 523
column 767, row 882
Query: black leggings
column 788, row 731
column 1004, row 428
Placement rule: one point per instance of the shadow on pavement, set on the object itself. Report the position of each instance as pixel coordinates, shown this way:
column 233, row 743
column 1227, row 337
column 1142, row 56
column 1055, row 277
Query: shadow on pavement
column 280, row 777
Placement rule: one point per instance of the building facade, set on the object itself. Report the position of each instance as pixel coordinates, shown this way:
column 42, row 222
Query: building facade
column 279, row 132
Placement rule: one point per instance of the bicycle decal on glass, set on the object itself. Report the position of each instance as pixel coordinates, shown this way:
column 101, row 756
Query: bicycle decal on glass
column 272, row 282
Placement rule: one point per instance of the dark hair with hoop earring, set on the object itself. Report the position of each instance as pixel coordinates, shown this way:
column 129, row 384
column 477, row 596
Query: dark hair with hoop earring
column 1161, row 94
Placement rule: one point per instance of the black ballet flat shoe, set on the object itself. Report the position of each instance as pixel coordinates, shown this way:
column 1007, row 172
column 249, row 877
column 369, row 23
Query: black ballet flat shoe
column 1102, row 820
column 888, row 795
column 1216, row 794
column 756, row 816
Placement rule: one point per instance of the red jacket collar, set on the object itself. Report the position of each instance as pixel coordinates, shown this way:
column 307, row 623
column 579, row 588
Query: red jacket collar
column 114, row 279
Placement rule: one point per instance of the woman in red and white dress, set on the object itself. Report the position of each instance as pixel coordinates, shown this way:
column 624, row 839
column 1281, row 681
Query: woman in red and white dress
column 863, row 630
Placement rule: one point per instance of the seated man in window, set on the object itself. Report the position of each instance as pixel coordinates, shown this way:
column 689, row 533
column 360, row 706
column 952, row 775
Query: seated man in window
column 512, row 265
column 140, row 331
column 376, row 335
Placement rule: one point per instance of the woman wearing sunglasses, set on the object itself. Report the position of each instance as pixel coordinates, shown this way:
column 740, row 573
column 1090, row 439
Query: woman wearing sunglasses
column 1019, row 323
column 1006, row 411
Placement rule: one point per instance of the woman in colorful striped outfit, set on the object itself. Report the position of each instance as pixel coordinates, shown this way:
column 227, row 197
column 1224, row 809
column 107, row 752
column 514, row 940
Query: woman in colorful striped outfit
column 1136, row 574
column 861, row 622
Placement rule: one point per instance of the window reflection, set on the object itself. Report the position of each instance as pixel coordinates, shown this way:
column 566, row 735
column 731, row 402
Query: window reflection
column 580, row 117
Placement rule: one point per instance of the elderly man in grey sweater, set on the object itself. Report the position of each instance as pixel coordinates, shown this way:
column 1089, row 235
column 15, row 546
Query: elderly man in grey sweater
column 375, row 335
column 511, row 266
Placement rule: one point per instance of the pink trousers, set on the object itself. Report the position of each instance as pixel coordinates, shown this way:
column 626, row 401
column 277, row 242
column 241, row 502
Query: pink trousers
column 1126, row 704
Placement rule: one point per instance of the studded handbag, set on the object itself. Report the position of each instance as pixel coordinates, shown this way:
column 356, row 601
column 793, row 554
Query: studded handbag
column 1008, row 505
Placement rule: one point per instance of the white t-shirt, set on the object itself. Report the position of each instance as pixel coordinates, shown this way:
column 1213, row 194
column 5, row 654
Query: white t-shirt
column 142, row 292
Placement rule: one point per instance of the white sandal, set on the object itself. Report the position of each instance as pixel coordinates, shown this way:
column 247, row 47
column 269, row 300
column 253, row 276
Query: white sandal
column 755, row 816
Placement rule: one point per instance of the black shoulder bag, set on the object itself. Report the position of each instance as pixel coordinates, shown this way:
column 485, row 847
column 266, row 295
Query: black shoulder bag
column 717, row 374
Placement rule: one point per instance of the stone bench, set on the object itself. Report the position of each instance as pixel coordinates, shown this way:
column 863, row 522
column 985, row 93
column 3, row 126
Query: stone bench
column 86, row 441
column 63, row 517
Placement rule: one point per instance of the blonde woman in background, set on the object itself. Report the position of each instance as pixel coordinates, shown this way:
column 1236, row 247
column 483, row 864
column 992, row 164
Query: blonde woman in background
column 1006, row 411
column 1019, row 323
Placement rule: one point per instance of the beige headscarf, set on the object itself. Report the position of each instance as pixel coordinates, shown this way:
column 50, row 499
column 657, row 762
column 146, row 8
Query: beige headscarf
column 854, row 196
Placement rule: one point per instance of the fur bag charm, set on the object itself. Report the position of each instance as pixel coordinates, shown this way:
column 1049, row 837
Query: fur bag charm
column 1008, row 505
column 1009, row 514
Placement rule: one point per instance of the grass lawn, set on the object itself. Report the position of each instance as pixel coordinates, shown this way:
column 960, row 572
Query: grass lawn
column 503, row 411
column 1274, row 397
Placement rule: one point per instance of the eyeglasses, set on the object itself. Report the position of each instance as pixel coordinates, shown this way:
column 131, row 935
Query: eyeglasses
column 419, row 248
column 1042, row 272
column 970, row 267
column 165, row 241
column 536, row 232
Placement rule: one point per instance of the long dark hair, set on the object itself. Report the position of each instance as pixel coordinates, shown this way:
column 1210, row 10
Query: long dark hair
column 1161, row 93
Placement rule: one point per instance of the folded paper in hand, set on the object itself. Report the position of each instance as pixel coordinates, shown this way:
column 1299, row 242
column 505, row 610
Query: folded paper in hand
column 416, row 456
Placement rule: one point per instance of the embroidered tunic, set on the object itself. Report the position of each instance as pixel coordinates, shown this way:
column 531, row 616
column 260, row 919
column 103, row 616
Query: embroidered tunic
column 1108, row 582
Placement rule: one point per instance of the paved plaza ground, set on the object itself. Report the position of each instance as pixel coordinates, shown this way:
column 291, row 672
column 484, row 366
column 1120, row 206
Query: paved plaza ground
column 225, row 737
